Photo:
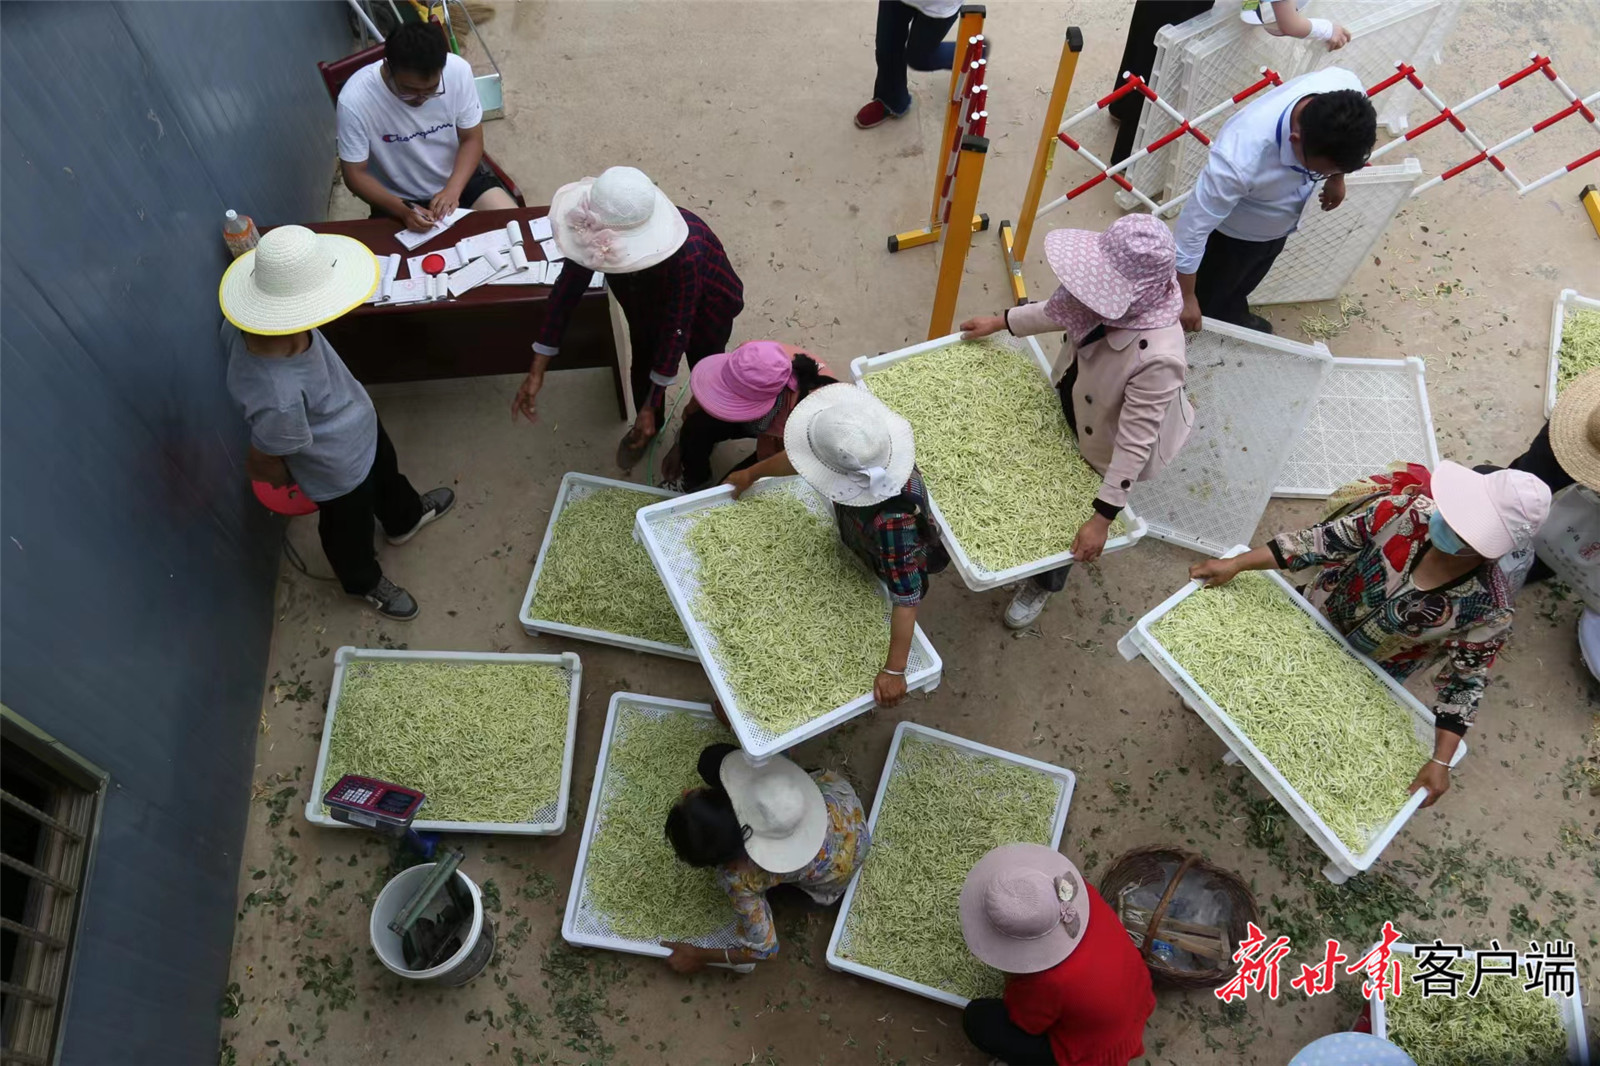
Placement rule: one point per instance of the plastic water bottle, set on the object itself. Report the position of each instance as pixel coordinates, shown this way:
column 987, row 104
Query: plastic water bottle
column 240, row 233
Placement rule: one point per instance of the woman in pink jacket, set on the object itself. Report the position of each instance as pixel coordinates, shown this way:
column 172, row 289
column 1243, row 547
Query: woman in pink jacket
column 1122, row 391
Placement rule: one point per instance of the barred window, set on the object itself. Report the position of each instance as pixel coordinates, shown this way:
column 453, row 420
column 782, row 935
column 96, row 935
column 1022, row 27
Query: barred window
column 51, row 801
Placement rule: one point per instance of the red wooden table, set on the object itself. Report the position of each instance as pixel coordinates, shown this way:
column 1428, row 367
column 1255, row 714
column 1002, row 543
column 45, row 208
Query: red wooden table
column 487, row 330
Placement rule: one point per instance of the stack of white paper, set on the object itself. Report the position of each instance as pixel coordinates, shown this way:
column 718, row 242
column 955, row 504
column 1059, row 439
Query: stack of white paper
column 413, row 239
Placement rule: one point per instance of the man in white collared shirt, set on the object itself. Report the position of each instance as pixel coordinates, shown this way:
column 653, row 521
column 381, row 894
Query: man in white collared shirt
column 1262, row 168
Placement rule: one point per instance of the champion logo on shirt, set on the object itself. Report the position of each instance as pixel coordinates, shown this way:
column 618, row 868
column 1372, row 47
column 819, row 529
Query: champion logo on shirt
column 401, row 138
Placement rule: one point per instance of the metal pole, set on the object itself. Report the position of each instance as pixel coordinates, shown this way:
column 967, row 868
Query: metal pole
column 365, row 20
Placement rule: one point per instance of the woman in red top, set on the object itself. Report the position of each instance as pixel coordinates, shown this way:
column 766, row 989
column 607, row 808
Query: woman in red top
column 1077, row 992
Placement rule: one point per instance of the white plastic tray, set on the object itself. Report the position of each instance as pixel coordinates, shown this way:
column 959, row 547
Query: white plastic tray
column 1328, row 247
column 1343, row 440
column 1571, row 1010
column 1344, row 863
column 664, row 529
column 574, row 487
column 977, row 577
column 837, row 944
column 1252, row 395
column 583, row 924
column 551, row 820
column 1566, row 299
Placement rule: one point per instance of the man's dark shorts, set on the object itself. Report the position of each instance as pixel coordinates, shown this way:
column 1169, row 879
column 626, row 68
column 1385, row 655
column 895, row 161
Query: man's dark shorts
column 481, row 182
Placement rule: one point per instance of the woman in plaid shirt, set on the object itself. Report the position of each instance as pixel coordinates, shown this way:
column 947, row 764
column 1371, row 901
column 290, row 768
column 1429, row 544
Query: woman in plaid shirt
column 854, row 450
column 668, row 272
column 1410, row 576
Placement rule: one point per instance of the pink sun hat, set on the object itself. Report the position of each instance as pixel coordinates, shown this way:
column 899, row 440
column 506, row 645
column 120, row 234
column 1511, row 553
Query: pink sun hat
column 1494, row 513
column 1130, row 266
column 1024, row 908
column 742, row 385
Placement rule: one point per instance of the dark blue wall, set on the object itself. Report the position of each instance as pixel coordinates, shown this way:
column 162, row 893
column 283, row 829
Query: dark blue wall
column 136, row 573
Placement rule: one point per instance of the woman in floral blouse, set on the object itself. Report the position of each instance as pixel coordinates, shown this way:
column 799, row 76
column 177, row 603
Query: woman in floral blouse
column 761, row 827
column 1409, row 576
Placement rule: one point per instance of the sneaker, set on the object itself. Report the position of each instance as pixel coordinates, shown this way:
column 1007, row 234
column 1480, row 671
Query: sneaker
column 1257, row 323
column 392, row 601
column 434, row 504
column 874, row 114
column 1026, row 605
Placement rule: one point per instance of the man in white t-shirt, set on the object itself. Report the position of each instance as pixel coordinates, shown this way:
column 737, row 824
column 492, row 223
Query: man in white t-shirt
column 411, row 132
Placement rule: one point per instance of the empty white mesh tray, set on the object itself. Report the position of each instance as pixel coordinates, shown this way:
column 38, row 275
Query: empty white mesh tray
column 839, row 943
column 664, row 529
column 1571, row 1007
column 976, row 576
column 549, row 820
column 1370, row 414
column 583, row 923
column 574, row 487
column 1567, row 301
column 1252, row 394
column 1153, row 173
column 1344, row 863
column 1324, row 253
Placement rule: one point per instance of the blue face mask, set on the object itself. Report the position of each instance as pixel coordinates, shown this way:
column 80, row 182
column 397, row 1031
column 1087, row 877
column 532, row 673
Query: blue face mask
column 1444, row 538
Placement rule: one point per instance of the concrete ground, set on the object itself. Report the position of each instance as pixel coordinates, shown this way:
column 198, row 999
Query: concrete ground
column 742, row 112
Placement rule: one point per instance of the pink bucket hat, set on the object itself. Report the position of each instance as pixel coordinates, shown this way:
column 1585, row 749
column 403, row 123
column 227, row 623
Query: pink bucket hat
column 1494, row 513
column 741, row 385
column 1130, row 267
column 1024, row 908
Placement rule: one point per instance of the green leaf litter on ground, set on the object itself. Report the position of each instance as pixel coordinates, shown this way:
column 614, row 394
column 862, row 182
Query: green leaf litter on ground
column 1580, row 346
column 595, row 575
column 483, row 741
column 632, row 875
column 801, row 626
column 943, row 810
column 1331, row 728
column 1502, row 1025
column 995, row 450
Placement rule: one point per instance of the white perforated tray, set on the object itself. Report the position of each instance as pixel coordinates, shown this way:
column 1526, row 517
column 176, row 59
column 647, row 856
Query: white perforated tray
column 550, row 820
column 1343, row 440
column 1252, row 395
column 1345, row 864
column 664, row 529
column 1153, row 173
column 1325, row 251
column 574, row 487
column 839, row 943
column 1566, row 300
column 583, row 924
column 973, row 574
column 1571, row 1009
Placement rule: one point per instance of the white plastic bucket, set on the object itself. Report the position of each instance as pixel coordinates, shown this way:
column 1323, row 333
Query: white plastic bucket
column 477, row 948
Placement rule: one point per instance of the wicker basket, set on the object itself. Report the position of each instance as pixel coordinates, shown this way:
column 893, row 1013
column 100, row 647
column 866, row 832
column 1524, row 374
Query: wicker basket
column 1149, row 866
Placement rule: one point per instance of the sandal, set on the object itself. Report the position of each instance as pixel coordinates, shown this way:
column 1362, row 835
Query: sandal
column 630, row 450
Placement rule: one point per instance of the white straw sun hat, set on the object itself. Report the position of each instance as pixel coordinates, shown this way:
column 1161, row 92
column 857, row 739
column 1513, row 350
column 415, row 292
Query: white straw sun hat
column 295, row 280
column 617, row 223
column 782, row 808
column 849, row 446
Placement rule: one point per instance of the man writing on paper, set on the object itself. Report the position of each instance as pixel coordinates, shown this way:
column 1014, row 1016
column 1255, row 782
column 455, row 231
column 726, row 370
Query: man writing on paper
column 1263, row 167
column 411, row 133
